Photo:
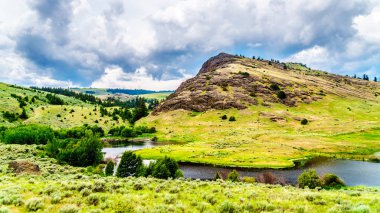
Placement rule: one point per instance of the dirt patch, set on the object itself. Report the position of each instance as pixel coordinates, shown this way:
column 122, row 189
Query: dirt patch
column 23, row 166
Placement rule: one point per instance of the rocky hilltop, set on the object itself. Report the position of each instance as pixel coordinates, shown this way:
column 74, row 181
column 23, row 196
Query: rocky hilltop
column 228, row 81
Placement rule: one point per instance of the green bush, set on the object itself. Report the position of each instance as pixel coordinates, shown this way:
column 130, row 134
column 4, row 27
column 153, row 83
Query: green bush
column 224, row 117
column 84, row 152
column 28, row 134
column 109, row 168
column 233, row 176
column 274, row 87
column 34, row 204
column 130, row 165
column 248, row 179
column 309, row 179
column 332, row 181
column 227, row 207
column 304, row 121
column 4, row 209
column 232, row 118
column 281, row 95
column 93, row 199
column 69, row 209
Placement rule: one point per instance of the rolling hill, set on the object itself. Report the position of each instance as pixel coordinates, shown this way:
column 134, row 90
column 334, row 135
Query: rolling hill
column 13, row 99
column 268, row 100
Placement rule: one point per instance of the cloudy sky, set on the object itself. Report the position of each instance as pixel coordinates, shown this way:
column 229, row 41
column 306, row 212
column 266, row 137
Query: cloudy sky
column 156, row 44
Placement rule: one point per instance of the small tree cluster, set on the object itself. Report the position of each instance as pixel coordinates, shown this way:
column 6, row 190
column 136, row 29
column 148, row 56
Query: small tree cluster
column 311, row 180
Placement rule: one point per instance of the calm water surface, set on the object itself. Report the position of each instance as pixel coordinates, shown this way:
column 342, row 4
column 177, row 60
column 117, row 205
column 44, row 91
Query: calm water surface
column 352, row 172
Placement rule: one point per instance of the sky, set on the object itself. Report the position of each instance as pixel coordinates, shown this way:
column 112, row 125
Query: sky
column 158, row 44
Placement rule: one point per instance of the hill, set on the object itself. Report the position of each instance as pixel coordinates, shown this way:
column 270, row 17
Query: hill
column 40, row 110
column 268, row 100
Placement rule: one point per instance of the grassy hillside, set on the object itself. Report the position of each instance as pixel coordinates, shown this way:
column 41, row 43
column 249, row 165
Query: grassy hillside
column 343, row 119
column 62, row 188
column 73, row 113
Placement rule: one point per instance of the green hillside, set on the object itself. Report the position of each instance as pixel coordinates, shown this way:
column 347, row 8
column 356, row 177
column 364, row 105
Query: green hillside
column 39, row 111
column 342, row 116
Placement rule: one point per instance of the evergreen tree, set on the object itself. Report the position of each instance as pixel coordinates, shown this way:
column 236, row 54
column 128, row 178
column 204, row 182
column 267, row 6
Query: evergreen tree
column 23, row 114
column 110, row 168
column 129, row 165
column 375, row 79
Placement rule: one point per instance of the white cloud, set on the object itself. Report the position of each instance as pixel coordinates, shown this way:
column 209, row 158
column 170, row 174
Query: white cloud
column 368, row 26
column 115, row 77
column 316, row 56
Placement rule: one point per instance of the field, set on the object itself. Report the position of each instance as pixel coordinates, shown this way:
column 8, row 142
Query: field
column 270, row 137
column 62, row 188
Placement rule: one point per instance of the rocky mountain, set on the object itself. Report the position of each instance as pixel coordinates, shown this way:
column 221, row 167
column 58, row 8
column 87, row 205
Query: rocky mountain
column 228, row 81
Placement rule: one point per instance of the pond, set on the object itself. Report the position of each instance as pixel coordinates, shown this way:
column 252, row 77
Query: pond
column 352, row 172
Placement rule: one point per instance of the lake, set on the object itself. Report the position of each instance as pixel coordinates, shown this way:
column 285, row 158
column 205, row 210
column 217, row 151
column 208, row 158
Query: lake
column 352, row 172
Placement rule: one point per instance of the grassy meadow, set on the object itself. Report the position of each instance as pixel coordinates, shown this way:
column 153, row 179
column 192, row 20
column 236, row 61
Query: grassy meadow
column 63, row 188
column 270, row 136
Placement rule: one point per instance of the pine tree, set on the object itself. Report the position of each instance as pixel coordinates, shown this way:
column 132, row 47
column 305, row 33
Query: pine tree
column 23, row 114
column 129, row 165
column 110, row 168
column 375, row 79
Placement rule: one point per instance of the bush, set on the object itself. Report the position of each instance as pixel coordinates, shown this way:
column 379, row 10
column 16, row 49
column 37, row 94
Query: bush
column 109, row 168
column 28, row 134
column 309, row 179
column 267, row 178
column 274, row 87
column 233, row 176
column 227, row 207
column 232, row 118
column 304, row 121
column 281, row 95
column 34, row 204
column 130, row 164
column 217, row 176
column 83, row 152
column 4, row 209
column 332, row 181
column 69, row 209
column 248, row 179
column 93, row 199
column 224, row 117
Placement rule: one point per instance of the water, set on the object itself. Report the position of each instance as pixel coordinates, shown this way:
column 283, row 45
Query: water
column 352, row 172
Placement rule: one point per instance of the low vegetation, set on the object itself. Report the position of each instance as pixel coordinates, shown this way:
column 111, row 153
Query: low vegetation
column 63, row 188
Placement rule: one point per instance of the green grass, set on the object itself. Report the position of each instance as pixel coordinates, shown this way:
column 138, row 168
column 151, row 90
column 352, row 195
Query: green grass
column 61, row 186
column 56, row 116
column 159, row 95
column 338, row 127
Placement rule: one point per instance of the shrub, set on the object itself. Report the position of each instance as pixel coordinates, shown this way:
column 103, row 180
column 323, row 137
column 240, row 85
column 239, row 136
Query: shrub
column 217, row 176
column 178, row 173
column 93, row 199
column 224, row 117
column 274, row 87
column 232, row 118
column 267, row 178
column 304, row 121
column 332, row 180
column 4, row 209
column 83, row 152
column 69, row 209
column 248, row 179
column 233, row 176
column 34, row 204
column 309, row 179
column 129, row 165
column 28, row 134
column 227, row 207
column 281, row 95
column 109, row 168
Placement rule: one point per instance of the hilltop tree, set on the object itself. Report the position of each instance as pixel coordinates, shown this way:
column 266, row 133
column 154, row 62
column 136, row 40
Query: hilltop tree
column 375, row 79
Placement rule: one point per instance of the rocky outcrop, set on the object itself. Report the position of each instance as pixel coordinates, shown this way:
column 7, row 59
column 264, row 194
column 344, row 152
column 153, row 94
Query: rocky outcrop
column 23, row 166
